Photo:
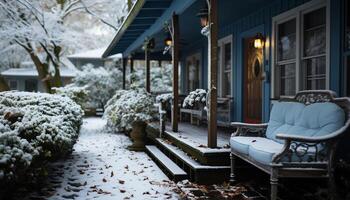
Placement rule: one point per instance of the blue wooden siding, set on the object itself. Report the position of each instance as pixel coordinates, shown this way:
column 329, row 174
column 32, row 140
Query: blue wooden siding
column 261, row 21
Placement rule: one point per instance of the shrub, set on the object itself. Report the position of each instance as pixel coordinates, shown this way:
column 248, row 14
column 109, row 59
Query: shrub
column 195, row 98
column 78, row 94
column 128, row 106
column 34, row 129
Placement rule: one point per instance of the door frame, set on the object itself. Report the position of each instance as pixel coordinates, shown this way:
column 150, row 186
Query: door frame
column 239, row 73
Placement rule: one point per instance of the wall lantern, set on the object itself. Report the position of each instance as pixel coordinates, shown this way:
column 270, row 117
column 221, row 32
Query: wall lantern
column 203, row 15
column 259, row 41
column 168, row 41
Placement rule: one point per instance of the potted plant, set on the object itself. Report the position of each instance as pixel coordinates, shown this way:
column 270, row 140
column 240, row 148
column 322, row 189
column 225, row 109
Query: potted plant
column 130, row 111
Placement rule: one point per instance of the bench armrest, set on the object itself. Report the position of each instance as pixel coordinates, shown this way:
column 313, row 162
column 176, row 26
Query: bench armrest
column 248, row 125
column 245, row 129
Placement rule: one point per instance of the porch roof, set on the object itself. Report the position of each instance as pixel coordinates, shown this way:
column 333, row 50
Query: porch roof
column 146, row 18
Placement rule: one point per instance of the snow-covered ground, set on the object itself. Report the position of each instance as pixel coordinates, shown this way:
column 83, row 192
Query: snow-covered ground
column 101, row 167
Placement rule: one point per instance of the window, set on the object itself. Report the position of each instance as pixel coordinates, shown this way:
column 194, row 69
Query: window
column 225, row 65
column 31, row 85
column 13, row 85
column 193, row 66
column 300, row 49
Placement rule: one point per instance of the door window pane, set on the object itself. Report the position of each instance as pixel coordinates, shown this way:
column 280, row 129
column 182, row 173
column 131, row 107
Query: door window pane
column 287, row 79
column 287, row 40
column 315, row 32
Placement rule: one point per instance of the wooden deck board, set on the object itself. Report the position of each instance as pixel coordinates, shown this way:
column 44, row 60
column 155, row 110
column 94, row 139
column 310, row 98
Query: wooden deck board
column 198, row 135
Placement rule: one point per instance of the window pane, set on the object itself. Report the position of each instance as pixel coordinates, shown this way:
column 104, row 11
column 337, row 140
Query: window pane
column 287, row 40
column 226, row 83
column 315, row 32
column 315, row 73
column 228, row 56
column 31, row 85
column 287, row 79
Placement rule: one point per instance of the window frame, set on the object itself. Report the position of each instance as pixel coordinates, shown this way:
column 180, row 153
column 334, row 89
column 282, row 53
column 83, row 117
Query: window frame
column 298, row 14
column 14, row 81
column 221, row 68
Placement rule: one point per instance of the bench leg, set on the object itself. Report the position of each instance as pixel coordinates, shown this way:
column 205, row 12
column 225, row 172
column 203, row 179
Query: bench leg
column 232, row 174
column 274, row 184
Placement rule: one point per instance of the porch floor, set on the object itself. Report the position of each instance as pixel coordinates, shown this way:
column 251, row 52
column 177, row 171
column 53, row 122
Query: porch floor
column 197, row 137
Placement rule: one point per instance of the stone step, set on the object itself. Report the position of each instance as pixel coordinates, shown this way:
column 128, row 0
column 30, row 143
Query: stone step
column 204, row 174
column 173, row 170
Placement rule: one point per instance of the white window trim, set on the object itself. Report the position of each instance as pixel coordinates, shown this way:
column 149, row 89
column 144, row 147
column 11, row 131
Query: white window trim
column 297, row 13
column 221, row 43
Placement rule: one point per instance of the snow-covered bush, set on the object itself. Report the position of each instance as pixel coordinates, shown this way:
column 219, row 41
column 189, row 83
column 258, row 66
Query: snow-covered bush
column 164, row 98
column 101, row 84
column 34, row 129
column 127, row 107
column 77, row 94
column 195, row 98
column 161, row 78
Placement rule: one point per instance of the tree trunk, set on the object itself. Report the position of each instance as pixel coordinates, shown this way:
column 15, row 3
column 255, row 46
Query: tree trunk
column 42, row 71
column 3, row 84
column 57, row 81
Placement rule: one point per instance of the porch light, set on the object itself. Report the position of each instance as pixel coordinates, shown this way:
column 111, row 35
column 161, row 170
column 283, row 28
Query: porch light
column 203, row 15
column 259, row 41
column 168, row 41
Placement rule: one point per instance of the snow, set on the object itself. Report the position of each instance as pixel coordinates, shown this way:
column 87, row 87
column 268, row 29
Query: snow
column 32, row 72
column 35, row 125
column 128, row 106
column 195, row 97
column 92, row 54
column 102, row 168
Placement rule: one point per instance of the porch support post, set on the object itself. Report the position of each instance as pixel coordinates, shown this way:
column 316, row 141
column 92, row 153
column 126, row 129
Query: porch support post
column 131, row 69
column 212, row 76
column 175, row 60
column 147, row 61
column 125, row 61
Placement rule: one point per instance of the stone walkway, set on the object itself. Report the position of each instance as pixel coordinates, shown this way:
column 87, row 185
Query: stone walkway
column 101, row 167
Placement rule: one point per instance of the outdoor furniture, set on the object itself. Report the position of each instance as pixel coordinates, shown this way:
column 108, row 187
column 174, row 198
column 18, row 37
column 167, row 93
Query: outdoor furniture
column 196, row 115
column 299, row 140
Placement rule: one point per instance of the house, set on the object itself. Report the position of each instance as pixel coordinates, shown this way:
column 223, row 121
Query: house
column 93, row 57
column 26, row 78
column 254, row 53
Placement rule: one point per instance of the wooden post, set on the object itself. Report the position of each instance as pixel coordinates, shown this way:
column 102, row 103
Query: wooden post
column 212, row 76
column 124, row 72
column 148, row 80
column 131, row 69
column 175, row 59
column 159, row 63
column 131, row 65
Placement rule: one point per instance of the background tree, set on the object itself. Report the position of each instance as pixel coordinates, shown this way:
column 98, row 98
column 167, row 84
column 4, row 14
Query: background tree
column 48, row 30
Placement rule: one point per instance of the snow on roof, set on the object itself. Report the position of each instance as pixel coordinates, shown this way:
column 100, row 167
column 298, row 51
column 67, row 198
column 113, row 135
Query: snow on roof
column 65, row 72
column 93, row 54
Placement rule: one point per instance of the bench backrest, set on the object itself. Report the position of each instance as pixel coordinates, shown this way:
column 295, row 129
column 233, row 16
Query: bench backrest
column 309, row 113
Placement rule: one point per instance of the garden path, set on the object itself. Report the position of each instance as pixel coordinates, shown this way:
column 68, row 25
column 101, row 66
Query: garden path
column 101, row 167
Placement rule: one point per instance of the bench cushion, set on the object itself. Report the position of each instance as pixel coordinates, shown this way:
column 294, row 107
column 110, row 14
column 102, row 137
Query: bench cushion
column 294, row 118
column 241, row 144
column 263, row 150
